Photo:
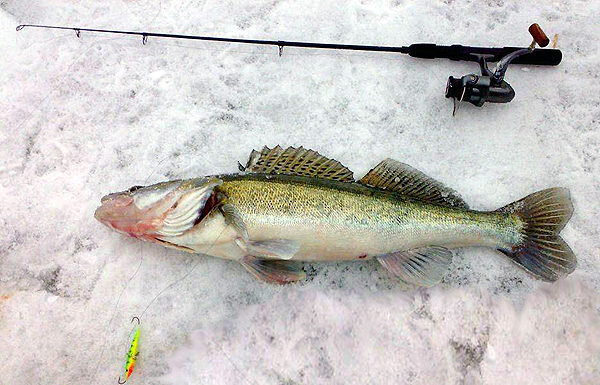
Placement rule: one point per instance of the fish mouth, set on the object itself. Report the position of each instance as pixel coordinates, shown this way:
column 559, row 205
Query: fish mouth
column 159, row 212
column 112, row 207
column 118, row 213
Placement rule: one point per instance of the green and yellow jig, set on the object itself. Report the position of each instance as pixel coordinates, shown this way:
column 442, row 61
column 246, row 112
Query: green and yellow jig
column 132, row 353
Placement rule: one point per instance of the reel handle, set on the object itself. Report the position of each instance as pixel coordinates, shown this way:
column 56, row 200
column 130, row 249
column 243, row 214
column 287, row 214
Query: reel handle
column 538, row 35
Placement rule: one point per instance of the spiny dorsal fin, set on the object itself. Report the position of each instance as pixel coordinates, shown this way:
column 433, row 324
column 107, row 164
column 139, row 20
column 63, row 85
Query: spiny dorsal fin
column 297, row 161
column 394, row 176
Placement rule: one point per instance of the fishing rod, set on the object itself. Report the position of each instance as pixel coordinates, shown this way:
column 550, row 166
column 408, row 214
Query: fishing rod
column 490, row 86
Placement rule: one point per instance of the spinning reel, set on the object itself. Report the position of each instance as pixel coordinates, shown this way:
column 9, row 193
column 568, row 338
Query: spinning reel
column 490, row 86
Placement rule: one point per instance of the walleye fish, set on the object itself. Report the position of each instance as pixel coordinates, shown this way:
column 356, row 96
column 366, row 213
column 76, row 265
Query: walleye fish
column 294, row 205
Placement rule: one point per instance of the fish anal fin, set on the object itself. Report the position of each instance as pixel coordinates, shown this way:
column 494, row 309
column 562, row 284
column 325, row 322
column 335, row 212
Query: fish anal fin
column 401, row 178
column 297, row 161
column 422, row 267
column 273, row 271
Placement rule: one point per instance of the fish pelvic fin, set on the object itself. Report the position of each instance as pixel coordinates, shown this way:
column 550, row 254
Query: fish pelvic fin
column 273, row 271
column 542, row 252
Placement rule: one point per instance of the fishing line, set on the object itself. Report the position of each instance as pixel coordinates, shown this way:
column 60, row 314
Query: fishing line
column 132, row 360
column 105, row 339
column 114, row 312
column 185, row 276
column 40, row 104
column 44, row 42
column 39, row 107
column 141, row 254
column 136, row 15
column 157, row 12
column 179, row 280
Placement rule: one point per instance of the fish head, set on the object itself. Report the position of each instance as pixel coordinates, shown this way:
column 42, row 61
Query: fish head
column 167, row 208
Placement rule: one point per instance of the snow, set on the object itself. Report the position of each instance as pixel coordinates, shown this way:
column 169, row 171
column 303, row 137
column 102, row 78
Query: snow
column 85, row 117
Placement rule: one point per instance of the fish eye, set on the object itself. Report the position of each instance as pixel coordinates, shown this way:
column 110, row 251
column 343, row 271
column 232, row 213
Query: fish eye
column 134, row 188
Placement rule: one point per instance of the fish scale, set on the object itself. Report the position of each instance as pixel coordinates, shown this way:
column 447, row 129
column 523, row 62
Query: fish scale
column 354, row 220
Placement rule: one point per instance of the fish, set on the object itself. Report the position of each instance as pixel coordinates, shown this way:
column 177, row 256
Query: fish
column 294, row 205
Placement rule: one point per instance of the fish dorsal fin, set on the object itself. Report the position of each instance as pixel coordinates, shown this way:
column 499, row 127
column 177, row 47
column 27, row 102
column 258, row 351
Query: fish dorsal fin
column 392, row 175
column 297, row 161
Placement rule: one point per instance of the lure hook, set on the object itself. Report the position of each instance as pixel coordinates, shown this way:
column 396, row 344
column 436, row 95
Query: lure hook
column 119, row 381
column 20, row 27
column 144, row 39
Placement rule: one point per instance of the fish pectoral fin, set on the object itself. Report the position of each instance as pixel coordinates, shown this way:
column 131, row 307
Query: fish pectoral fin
column 422, row 267
column 273, row 271
column 274, row 248
column 270, row 249
column 267, row 249
column 234, row 219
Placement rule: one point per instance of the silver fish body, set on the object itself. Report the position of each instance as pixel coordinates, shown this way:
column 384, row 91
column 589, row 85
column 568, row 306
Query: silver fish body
column 266, row 219
column 340, row 221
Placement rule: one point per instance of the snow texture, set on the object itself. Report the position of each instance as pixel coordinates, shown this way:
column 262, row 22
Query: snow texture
column 85, row 117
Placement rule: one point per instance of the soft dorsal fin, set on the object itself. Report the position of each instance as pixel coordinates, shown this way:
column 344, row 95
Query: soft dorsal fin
column 297, row 161
column 394, row 176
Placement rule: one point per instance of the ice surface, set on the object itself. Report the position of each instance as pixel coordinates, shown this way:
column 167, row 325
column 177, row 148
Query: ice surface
column 84, row 117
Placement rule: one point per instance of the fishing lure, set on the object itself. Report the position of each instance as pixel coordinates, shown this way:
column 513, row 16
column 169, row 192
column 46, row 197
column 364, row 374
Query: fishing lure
column 132, row 353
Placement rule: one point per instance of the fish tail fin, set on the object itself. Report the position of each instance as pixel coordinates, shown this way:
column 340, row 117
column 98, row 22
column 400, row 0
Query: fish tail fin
column 542, row 252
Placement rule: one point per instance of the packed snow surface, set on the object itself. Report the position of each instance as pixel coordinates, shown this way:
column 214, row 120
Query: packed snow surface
column 84, row 117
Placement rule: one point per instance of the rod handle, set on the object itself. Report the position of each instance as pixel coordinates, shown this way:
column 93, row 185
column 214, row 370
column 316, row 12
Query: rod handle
column 549, row 57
